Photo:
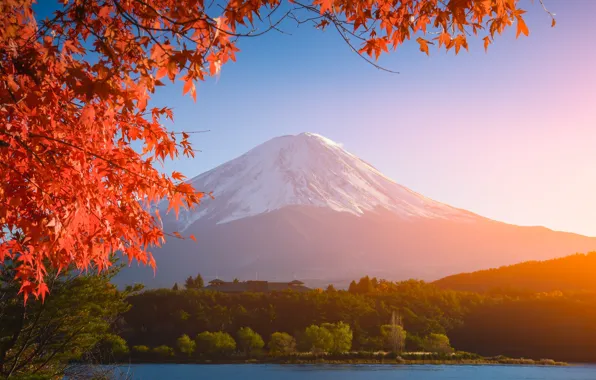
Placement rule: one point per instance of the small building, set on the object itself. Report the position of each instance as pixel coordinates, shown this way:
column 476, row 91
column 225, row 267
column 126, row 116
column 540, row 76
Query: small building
column 255, row 286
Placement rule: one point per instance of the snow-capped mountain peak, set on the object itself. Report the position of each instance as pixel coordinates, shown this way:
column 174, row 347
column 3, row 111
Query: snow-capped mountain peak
column 305, row 169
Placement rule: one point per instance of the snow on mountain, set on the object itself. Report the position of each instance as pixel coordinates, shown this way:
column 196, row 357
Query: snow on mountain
column 305, row 169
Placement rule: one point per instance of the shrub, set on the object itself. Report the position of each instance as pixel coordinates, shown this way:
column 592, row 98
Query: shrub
column 163, row 350
column 140, row 349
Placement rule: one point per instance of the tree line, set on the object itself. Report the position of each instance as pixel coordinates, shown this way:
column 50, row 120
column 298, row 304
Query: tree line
column 87, row 320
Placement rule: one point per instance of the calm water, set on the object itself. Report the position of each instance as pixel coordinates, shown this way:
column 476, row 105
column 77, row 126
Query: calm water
column 357, row 372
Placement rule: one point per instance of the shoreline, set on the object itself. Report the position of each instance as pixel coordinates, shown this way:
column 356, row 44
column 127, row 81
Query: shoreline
column 296, row 361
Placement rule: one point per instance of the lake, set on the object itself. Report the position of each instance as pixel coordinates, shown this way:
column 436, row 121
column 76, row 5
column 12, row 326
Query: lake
column 357, row 372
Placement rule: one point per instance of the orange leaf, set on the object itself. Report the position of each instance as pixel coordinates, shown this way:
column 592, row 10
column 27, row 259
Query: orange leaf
column 188, row 85
column 326, row 5
column 161, row 72
column 423, row 45
column 486, row 42
column 521, row 27
column 193, row 237
column 178, row 176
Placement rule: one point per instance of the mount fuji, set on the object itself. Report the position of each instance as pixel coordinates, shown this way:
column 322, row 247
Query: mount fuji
column 302, row 206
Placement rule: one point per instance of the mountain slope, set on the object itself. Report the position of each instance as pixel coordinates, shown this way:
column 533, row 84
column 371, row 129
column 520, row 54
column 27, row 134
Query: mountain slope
column 570, row 273
column 302, row 206
column 310, row 170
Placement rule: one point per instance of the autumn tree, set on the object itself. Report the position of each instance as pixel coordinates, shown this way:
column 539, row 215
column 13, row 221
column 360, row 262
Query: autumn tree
column 74, row 96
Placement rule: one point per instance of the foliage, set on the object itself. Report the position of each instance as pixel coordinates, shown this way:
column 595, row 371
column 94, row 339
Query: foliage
column 163, row 350
column 186, row 345
column 364, row 286
column 438, row 343
column 74, row 93
column 155, row 317
column 342, row 336
column 194, row 283
column 114, row 345
column 575, row 272
column 394, row 337
column 41, row 338
column 318, row 339
column 249, row 341
column 175, row 287
column 216, row 343
column 140, row 349
column 281, row 343
column 489, row 324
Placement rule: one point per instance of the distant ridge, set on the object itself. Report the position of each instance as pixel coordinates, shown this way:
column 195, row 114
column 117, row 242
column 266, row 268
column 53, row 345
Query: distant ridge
column 571, row 273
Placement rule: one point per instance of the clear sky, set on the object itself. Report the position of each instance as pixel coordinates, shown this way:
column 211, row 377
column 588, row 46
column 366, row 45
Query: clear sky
column 510, row 135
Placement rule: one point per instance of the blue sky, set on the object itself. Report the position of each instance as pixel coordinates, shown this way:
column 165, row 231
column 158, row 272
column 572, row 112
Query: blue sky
column 510, row 134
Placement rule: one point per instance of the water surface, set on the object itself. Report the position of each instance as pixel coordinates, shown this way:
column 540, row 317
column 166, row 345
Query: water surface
column 357, row 372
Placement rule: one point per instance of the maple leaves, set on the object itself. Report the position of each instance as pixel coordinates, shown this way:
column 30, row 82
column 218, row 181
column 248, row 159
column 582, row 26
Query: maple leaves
column 75, row 92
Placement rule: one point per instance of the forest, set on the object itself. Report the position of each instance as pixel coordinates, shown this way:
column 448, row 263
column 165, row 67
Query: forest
column 575, row 272
column 512, row 322
column 189, row 323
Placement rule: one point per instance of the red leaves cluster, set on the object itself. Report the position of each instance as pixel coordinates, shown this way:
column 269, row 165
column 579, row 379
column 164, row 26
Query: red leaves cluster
column 72, row 188
column 382, row 23
column 74, row 95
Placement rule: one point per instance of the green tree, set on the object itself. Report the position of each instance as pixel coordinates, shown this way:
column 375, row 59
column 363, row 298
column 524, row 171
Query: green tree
column 114, row 345
column 186, row 345
column 216, row 343
column 282, row 343
column 249, row 341
column 40, row 338
column 318, row 339
column 331, row 288
column 365, row 285
column 437, row 343
column 353, row 287
column 175, row 287
column 394, row 337
column 194, row 283
column 342, row 336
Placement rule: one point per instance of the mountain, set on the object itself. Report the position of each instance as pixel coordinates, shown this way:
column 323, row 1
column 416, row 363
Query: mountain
column 303, row 206
column 570, row 273
column 306, row 170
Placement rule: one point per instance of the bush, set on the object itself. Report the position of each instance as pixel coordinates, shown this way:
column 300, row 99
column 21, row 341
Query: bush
column 438, row 343
column 186, row 345
column 163, row 350
column 140, row 349
column 216, row 343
